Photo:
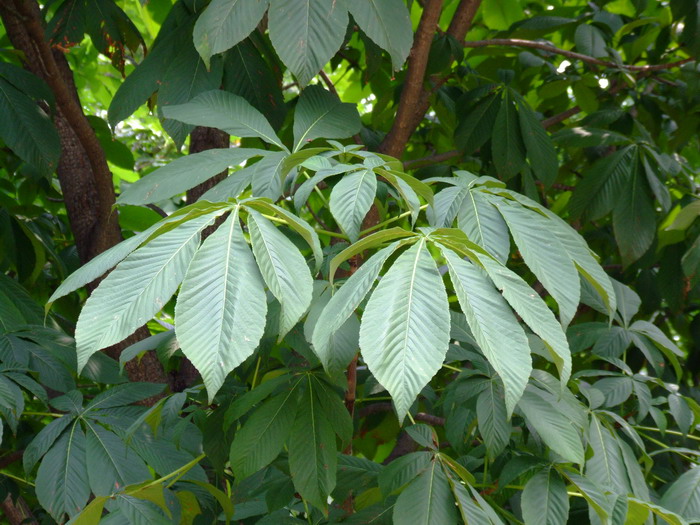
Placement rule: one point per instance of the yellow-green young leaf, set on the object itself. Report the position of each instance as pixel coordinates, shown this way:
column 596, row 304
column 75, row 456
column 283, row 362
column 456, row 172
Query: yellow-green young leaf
column 405, row 329
column 553, row 427
column 640, row 510
column 283, row 268
column 136, row 289
column 544, row 500
column 225, row 23
column 220, row 312
column 307, row 33
column 262, row 437
column 495, row 328
column 545, row 256
column 312, row 450
column 62, row 479
column 92, row 514
column 427, row 500
column 351, row 199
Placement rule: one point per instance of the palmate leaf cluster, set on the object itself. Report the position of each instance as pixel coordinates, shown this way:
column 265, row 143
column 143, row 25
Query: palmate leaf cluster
column 365, row 342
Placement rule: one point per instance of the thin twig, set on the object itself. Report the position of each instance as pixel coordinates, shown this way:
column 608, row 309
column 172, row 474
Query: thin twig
column 545, row 46
column 432, row 159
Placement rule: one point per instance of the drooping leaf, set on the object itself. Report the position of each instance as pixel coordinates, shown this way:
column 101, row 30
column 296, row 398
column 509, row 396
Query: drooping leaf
column 312, row 450
column 506, row 140
column 227, row 112
column 493, row 418
column 137, row 289
column 262, row 437
column 469, row 509
column 184, row 173
column 266, row 177
column 43, row 441
column 482, row 223
column 388, row 24
column 319, row 113
column 224, row 24
column 495, row 328
column 283, row 268
column 475, row 129
column 427, row 500
column 344, row 302
column 540, row 150
column 27, row 130
column 544, row 500
column 552, row 425
column 545, row 256
column 111, row 466
column 404, row 334
column 606, row 467
column 62, row 479
column 351, row 199
column 307, row 33
column 683, row 496
column 220, row 312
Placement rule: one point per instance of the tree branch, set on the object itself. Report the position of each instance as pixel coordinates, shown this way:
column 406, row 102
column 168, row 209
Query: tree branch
column 397, row 138
column 432, row 159
column 544, row 46
column 415, row 98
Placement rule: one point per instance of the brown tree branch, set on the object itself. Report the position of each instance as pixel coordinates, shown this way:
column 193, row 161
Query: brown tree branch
column 415, row 97
column 397, row 138
column 544, row 46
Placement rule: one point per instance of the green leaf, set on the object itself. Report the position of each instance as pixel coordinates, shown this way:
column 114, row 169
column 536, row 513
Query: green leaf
column 403, row 470
column 266, row 176
column 508, row 150
column 493, row 418
column 447, row 202
column 471, row 512
column 590, row 41
column 599, row 191
column 342, row 343
column 683, row 496
column 27, row 130
column 351, row 199
column 473, row 132
column 111, row 257
column 427, row 500
column 634, row 213
column 136, row 289
column 501, row 14
column 482, row 223
column 140, row 511
column 225, row 23
column 495, row 328
column 388, row 24
column 669, row 517
column 110, row 465
column 334, row 410
column 122, row 395
column 405, row 328
column 551, row 424
column 43, row 441
column 545, row 256
column 366, row 243
column 283, row 268
column 184, row 173
column 307, row 33
column 321, row 114
column 343, row 303
column 312, row 450
column 262, row 436
column 62, row 479
column 221, row 308
column 227, row 112
column 544, row 500
column 540, row 150
column 605, row 466
column 295, row 223
column 533, row 310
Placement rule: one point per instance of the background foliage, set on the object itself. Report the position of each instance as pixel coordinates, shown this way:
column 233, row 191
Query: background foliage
column 423, row 262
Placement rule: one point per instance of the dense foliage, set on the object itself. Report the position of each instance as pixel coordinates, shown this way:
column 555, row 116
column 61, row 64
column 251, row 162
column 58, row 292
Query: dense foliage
column 424, row 262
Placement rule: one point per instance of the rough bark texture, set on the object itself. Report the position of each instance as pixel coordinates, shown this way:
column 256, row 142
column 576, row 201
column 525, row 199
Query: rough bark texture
column 17, row 511
column 415, row 97
column 86, row 182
